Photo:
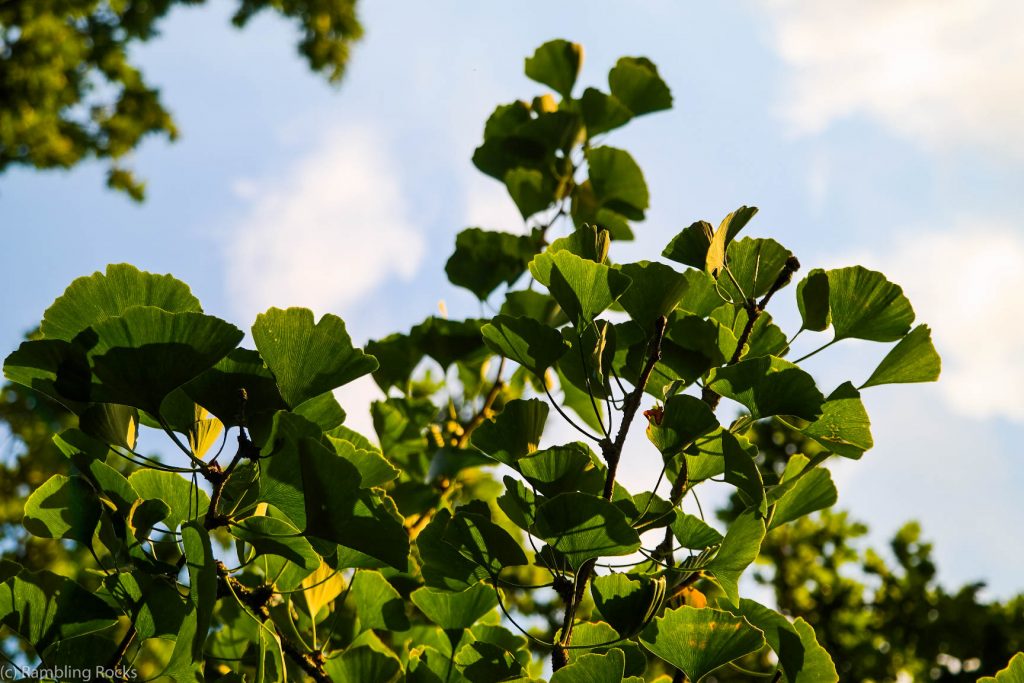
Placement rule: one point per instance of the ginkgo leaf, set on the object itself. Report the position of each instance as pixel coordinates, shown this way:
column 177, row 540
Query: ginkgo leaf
column 556, row 63
column 913, row 359
column 698, row 641
column 322, row 587
column 308, row 358
column 94, row 298
column 582, row 526
column 532, row 344
column 865, row 305
column 204, row 433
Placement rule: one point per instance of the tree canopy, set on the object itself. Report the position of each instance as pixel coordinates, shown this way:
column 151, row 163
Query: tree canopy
column 70, row 89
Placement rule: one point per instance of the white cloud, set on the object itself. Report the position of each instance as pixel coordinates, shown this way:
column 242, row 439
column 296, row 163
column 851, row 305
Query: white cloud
column 965, row 283
column 325, row 232
column 941, row 72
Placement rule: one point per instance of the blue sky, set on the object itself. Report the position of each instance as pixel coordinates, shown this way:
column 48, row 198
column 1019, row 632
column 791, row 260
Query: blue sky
column 874, row 132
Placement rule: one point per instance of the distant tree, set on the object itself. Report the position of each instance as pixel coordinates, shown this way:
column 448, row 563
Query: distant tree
column 70, row 91
column 879, row 620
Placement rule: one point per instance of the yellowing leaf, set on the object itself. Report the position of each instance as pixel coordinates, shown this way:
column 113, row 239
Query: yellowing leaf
column 322, row 587
column 204, row 432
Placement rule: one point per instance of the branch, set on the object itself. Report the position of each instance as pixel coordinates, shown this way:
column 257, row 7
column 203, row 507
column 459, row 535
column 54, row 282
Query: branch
column 257, row 599
column 612, row 452
column 754, row 310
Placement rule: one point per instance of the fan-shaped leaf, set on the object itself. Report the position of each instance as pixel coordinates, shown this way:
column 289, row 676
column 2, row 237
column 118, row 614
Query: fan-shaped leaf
column 308, row 359
column 865, row 305
column 93, row 298
column 635, row 81
column 515, row 432
column 739, row 549
column 556, row 63
column 769, row 386
column 582, row 526
column 698, row 641
column 913, row 359
column 143, row 355
column 532, row 344
column 455, row 611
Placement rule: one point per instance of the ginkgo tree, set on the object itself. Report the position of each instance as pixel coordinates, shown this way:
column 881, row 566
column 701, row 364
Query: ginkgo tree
column 279, row 543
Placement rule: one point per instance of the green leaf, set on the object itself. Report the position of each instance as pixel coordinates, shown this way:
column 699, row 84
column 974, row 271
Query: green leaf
column 802, row 659
column 556, row 63
column 324, row 411
column 398, row 355
column 635, row 81
column 655, row 291
column 593, row 637
column 239, row 374
column 378, row 604
column 739, row 549
column 94, row 298
column 336, row 511
column 913, row 359
column 602, row 112
column 363, row 664
column 593, row 668
column 1013, row 673
column 693, row 533
column 698, row 641
column 558, row 469
column 111, row 423
column 447, row 341
column 627, row 602
column 617, row 181
column 690, row 246
column 187, row 658
column 308, row 359
column 584, row 288
column 483, row 542
column 812, row 300
column 515, row 432
column 683, row 419
column 53, row 367
column 63, row 507
column 769, row 386
column 143, row 355
column 586, row 242
column 374, row 469
column 582, row 526
column 483, row 259
column 702, row 295
column 180, row 495
column 865, row 305
column 531, row 190
column 813, row 491
column 270, row 536
column 742, row 472
column 479, row 661
column 844, row 427
column 455, row 611
column 442, row 566
column 755, row 264
column 44, row 608
column 532, row 344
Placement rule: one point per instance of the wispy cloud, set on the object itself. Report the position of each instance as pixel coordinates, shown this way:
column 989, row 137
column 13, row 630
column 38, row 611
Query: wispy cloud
column 325, row 232
column 964, row 282
column 944, row 74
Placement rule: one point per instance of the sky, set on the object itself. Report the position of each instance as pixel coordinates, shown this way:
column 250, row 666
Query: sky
column 879, row 132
